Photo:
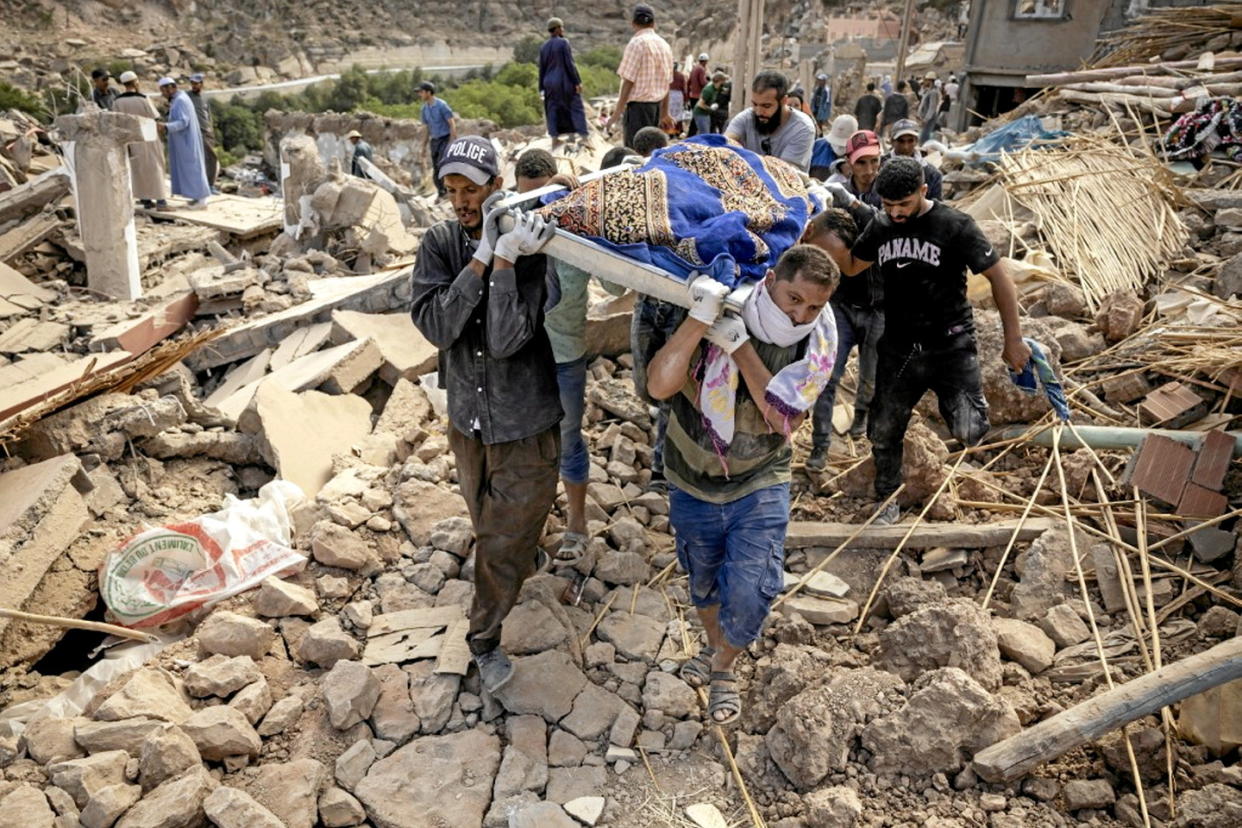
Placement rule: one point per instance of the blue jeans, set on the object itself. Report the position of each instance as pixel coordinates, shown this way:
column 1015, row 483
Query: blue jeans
column 575, row 461
column 653, row 323
column 702, row 122
column 734, row 554
column 855, row 326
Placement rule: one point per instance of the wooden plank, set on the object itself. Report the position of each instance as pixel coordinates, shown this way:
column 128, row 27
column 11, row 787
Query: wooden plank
column 400, row 647
column 803, row 533
column 413, row 619
column 455, row 655
column 1012, row 758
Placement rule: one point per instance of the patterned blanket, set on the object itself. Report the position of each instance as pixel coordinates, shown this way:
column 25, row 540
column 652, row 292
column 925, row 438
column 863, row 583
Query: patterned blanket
column 700, row 205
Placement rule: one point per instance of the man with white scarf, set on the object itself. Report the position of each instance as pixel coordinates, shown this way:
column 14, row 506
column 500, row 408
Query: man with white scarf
column 727, row 453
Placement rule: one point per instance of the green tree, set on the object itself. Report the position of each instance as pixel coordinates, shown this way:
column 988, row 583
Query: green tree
column 527, row 49
column 605, row 57
column 13, row 98
column 349, row 90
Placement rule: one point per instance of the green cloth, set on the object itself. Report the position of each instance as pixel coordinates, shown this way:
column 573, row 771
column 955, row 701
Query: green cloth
column 757, row 458
column 706, row 98
column 566, row 322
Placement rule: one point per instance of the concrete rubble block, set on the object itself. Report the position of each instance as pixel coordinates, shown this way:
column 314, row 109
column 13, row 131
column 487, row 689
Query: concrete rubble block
column 524, row 766
column 565, row 749
column 393, row 716
column 290, row 790
column 127, row 734
column 353, row 764
column 669, row 694
column 148, row 692
column 637, row 637
column 228, row 807
column 338, row 809
column 955, row 633
column 1213, row 718
column 456, row 771
column 816, row 729
column 622, row 568
column 107, row 805
column 52, row 739
column 624, row 727
column 433, row 695
column 545, row 684
column 821, row 611
column 282, row 714
column 30, row 334
column 565, row 784
column 406, row 408
column 325, row 643
column 453, row 535
column 253, row 701
column 277, row 598
column 1024, row 643
column 531, row 628
column 81, row 778
column 101, row 425
column 1119, row 315
column 948, row 717
column 594, row 711
column 834, row 807
column 350, row 692
column 586, row 809
column 1215, row 805
column 1088, row 793
column 1041, row 573
column 178, row 803
column 220, row 675
column 166, row 753
column 406, row 353
column 303, row 431
column 905, row 595
column 706, row 815
column 1064, row 626
column 541, row 815
column 228, row 633
column 335, row 545
column 220, row 732
column 25, row 806
column 421, row 505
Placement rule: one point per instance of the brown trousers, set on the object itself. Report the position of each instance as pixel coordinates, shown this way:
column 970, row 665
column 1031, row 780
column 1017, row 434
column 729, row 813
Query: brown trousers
column 509, row 489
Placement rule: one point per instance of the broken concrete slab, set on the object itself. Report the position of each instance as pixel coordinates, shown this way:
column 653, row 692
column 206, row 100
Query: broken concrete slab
column 301, row 342
column 141, row 334
column 30, row 197
column 302, row 431
column 406, row 352
column 338, row 370
column 26, row 235
column 217, row 282
column 101, row 425
column 41, row 513
column 380, row 292
column 19, row 295
column 238, row 216
column 25, row 395
column 248, row 372
column 31, row 334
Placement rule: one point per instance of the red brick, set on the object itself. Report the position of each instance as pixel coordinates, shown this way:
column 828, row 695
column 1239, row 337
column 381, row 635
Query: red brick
column 1200, row 502
column 1168, row 403
column 1161, row 468
column 1213, row 462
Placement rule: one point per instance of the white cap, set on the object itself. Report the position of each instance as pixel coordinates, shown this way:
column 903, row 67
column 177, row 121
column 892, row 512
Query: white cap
column 166, row 81
column 703, row 56
column 843, row 126
column 127, row 77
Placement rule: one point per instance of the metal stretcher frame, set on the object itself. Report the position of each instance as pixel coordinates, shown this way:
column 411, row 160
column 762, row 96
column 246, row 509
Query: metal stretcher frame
column 607, row 264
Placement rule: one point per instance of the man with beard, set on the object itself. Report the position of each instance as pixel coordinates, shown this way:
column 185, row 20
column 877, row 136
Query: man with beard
column 478, row 296
column 203, row 111
column 770, row 127
column 905, row 141
column 923, row 249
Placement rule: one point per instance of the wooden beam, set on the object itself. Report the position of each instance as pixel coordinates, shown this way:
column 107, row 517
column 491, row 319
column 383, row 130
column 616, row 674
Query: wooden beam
column 1012, row 758
column 31, row 196
column 1110, row 72
column 803, row 533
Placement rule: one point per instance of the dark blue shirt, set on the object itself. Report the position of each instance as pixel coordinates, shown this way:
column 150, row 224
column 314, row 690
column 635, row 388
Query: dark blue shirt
column 436, row 115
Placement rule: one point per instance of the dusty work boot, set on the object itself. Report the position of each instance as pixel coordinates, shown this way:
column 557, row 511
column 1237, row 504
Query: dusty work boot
column 858, row 428
column 890, row 515
column 817, row 460
column 495, row 669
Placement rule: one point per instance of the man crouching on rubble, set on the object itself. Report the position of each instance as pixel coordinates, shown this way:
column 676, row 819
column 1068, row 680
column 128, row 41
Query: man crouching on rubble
column 728, row 453
column 478, row 296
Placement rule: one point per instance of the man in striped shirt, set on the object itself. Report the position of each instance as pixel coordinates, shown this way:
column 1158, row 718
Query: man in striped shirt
column 646, row 72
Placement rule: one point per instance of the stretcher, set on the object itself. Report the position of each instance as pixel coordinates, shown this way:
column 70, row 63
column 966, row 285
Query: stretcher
column 606, row 264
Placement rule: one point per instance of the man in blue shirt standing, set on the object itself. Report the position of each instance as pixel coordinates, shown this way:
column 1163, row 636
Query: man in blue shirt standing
column 441, row 127
column 560, row 84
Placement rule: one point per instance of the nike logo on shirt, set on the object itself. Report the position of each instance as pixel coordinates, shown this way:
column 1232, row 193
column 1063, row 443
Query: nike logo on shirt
column 909, row 248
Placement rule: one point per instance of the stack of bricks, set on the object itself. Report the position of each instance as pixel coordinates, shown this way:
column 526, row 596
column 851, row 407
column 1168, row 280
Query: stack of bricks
column 1191, row 480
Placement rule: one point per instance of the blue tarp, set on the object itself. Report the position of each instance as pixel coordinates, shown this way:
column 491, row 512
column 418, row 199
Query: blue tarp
column 1010, row 138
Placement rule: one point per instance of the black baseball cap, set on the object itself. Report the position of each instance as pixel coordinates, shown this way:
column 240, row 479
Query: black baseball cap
column 472, row 156
column 427, row 86
column 96, row 74
column 643, row 14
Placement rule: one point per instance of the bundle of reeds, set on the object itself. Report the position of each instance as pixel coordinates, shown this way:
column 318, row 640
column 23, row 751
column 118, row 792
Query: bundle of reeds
column 1170, row 33
column 1106, row 213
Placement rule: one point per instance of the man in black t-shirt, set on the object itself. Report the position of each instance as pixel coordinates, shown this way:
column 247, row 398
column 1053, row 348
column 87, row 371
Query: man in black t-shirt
column 923, row 249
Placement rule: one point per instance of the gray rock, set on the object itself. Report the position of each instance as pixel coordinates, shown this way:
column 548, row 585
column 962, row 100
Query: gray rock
column 350, row 692
column 531, row 628
column 234, row 808
column 565, row 784
column 433, row 695
column 623, row 568
column 335, row 545
column 541, row 815
column 1088, row 793
column 290, row 790
column 524, row 766
column 393, row 717
column 593, row 713
column 1228, row 281
column 1024, row 643
column 230, row 634
column 148, row 692
column 338, row 809
column 545, row 684
column 668, row 693
column 1064, row 627
column 253, row 700
column 221, row 731
column 954, row 633
column 325, row 643
column 107, row 805
column 81, row 778
column 177, row 803
column 277, row 598
column 453, row 535
column 637, row 637
column 354, row 763
column 220, row 675
column 25, row 806
column 283, row 713
column 565, row 749
column 126, row 735
column 52, row 739
column 166, row 753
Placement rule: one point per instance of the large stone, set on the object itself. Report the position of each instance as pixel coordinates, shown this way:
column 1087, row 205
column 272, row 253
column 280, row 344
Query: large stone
column 339, row 809
column 666, row 692
column 565, row 784
column 126, row 735
column 622, row 568
column 433, row 695
column 81, row 778
column 1228, row 281
column 150, row 693
column 1064, row 626
column 637, row 637
column 290, row 790
column 531, row 628
column 545, row 684
column 165, row 754
column 1024, row 643
column 220, row 675
column 953, row 634
column 1041, row 573
column 253, row 700
column 815, row 730
column 325, row 643
column 354, row 763
column 905, row 595
column 594, row 711
column 52, row 739
column 1088, row 793
column 25, row 807
column 231, row 634
column 835, row 807
column 177, row 803
column 1215, row 805
column 107, row 805
column 234, row 808
column 454, row 534
column 350, row 692
column 277, row 598
column 335, row 545
column 283, row 713
column 948, row 717
column 524, row 766
column 1006, row 403
column 221, row 731
column 393, row 717
column 586, row 809
column 455, row 775
column 541, row 815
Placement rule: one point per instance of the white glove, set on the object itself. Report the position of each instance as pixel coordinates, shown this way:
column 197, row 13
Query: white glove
column 715, row 107
column 491, row 229
column 707, row 298
column 728, row 333
column 841, row 197
column 529, row 234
